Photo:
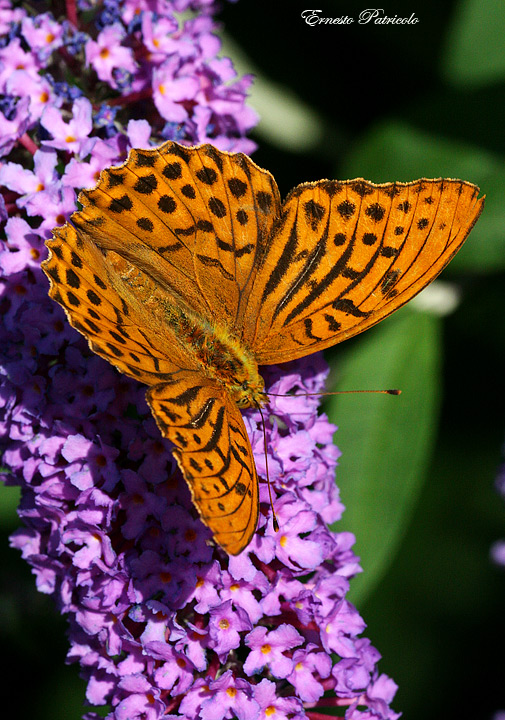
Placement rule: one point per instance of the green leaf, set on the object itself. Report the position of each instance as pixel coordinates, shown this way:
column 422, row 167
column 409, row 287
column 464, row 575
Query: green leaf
column 9, row 502
column 386, row 442
column 475, row 51
column 397, row 151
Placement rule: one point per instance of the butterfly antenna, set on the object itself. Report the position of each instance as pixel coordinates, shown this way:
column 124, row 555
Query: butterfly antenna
column 339, row 392
column 274, row 516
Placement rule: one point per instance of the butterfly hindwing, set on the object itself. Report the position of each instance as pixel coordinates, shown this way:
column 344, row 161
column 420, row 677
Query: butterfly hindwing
column 347, row 254
column 213, row 452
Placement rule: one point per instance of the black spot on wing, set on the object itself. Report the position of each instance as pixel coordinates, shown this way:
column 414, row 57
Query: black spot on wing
column 146, row 185
column 143, row 160
column 172, row 171
column 119, row 205
column 167, row 204
column 207, row 175
column 375, row 212
column 238, row 188
column 346, row 209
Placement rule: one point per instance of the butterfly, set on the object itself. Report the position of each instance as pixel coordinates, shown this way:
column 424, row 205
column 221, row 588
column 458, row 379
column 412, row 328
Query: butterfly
column 185, row 271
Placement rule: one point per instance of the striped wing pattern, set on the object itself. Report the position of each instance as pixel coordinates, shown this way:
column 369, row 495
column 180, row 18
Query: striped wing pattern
column 120, row 318
column 214, row 453
column 347, row 254
column 180, row 243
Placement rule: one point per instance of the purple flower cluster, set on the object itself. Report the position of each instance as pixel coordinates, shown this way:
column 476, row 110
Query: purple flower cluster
column 162, row 622
column 135, row 59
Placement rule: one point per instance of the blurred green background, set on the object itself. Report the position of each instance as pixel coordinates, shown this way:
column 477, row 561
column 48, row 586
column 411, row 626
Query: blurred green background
column 417, row 471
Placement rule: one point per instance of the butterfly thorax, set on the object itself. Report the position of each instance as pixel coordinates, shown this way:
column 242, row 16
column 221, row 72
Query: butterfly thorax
column 223, row 358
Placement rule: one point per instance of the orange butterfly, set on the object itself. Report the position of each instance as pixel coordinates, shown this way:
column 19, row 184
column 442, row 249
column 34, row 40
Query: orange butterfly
column 185, row 271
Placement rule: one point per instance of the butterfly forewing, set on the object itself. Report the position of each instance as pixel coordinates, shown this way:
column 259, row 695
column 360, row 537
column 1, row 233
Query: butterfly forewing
column 214, row 453
column 194, row 219
column 347, row 255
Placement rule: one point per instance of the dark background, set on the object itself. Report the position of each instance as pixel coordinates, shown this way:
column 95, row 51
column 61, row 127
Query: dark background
column 386, row 103
column 397, row 103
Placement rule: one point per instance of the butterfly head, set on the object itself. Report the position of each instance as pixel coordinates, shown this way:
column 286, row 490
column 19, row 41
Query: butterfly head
column 250, row 393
